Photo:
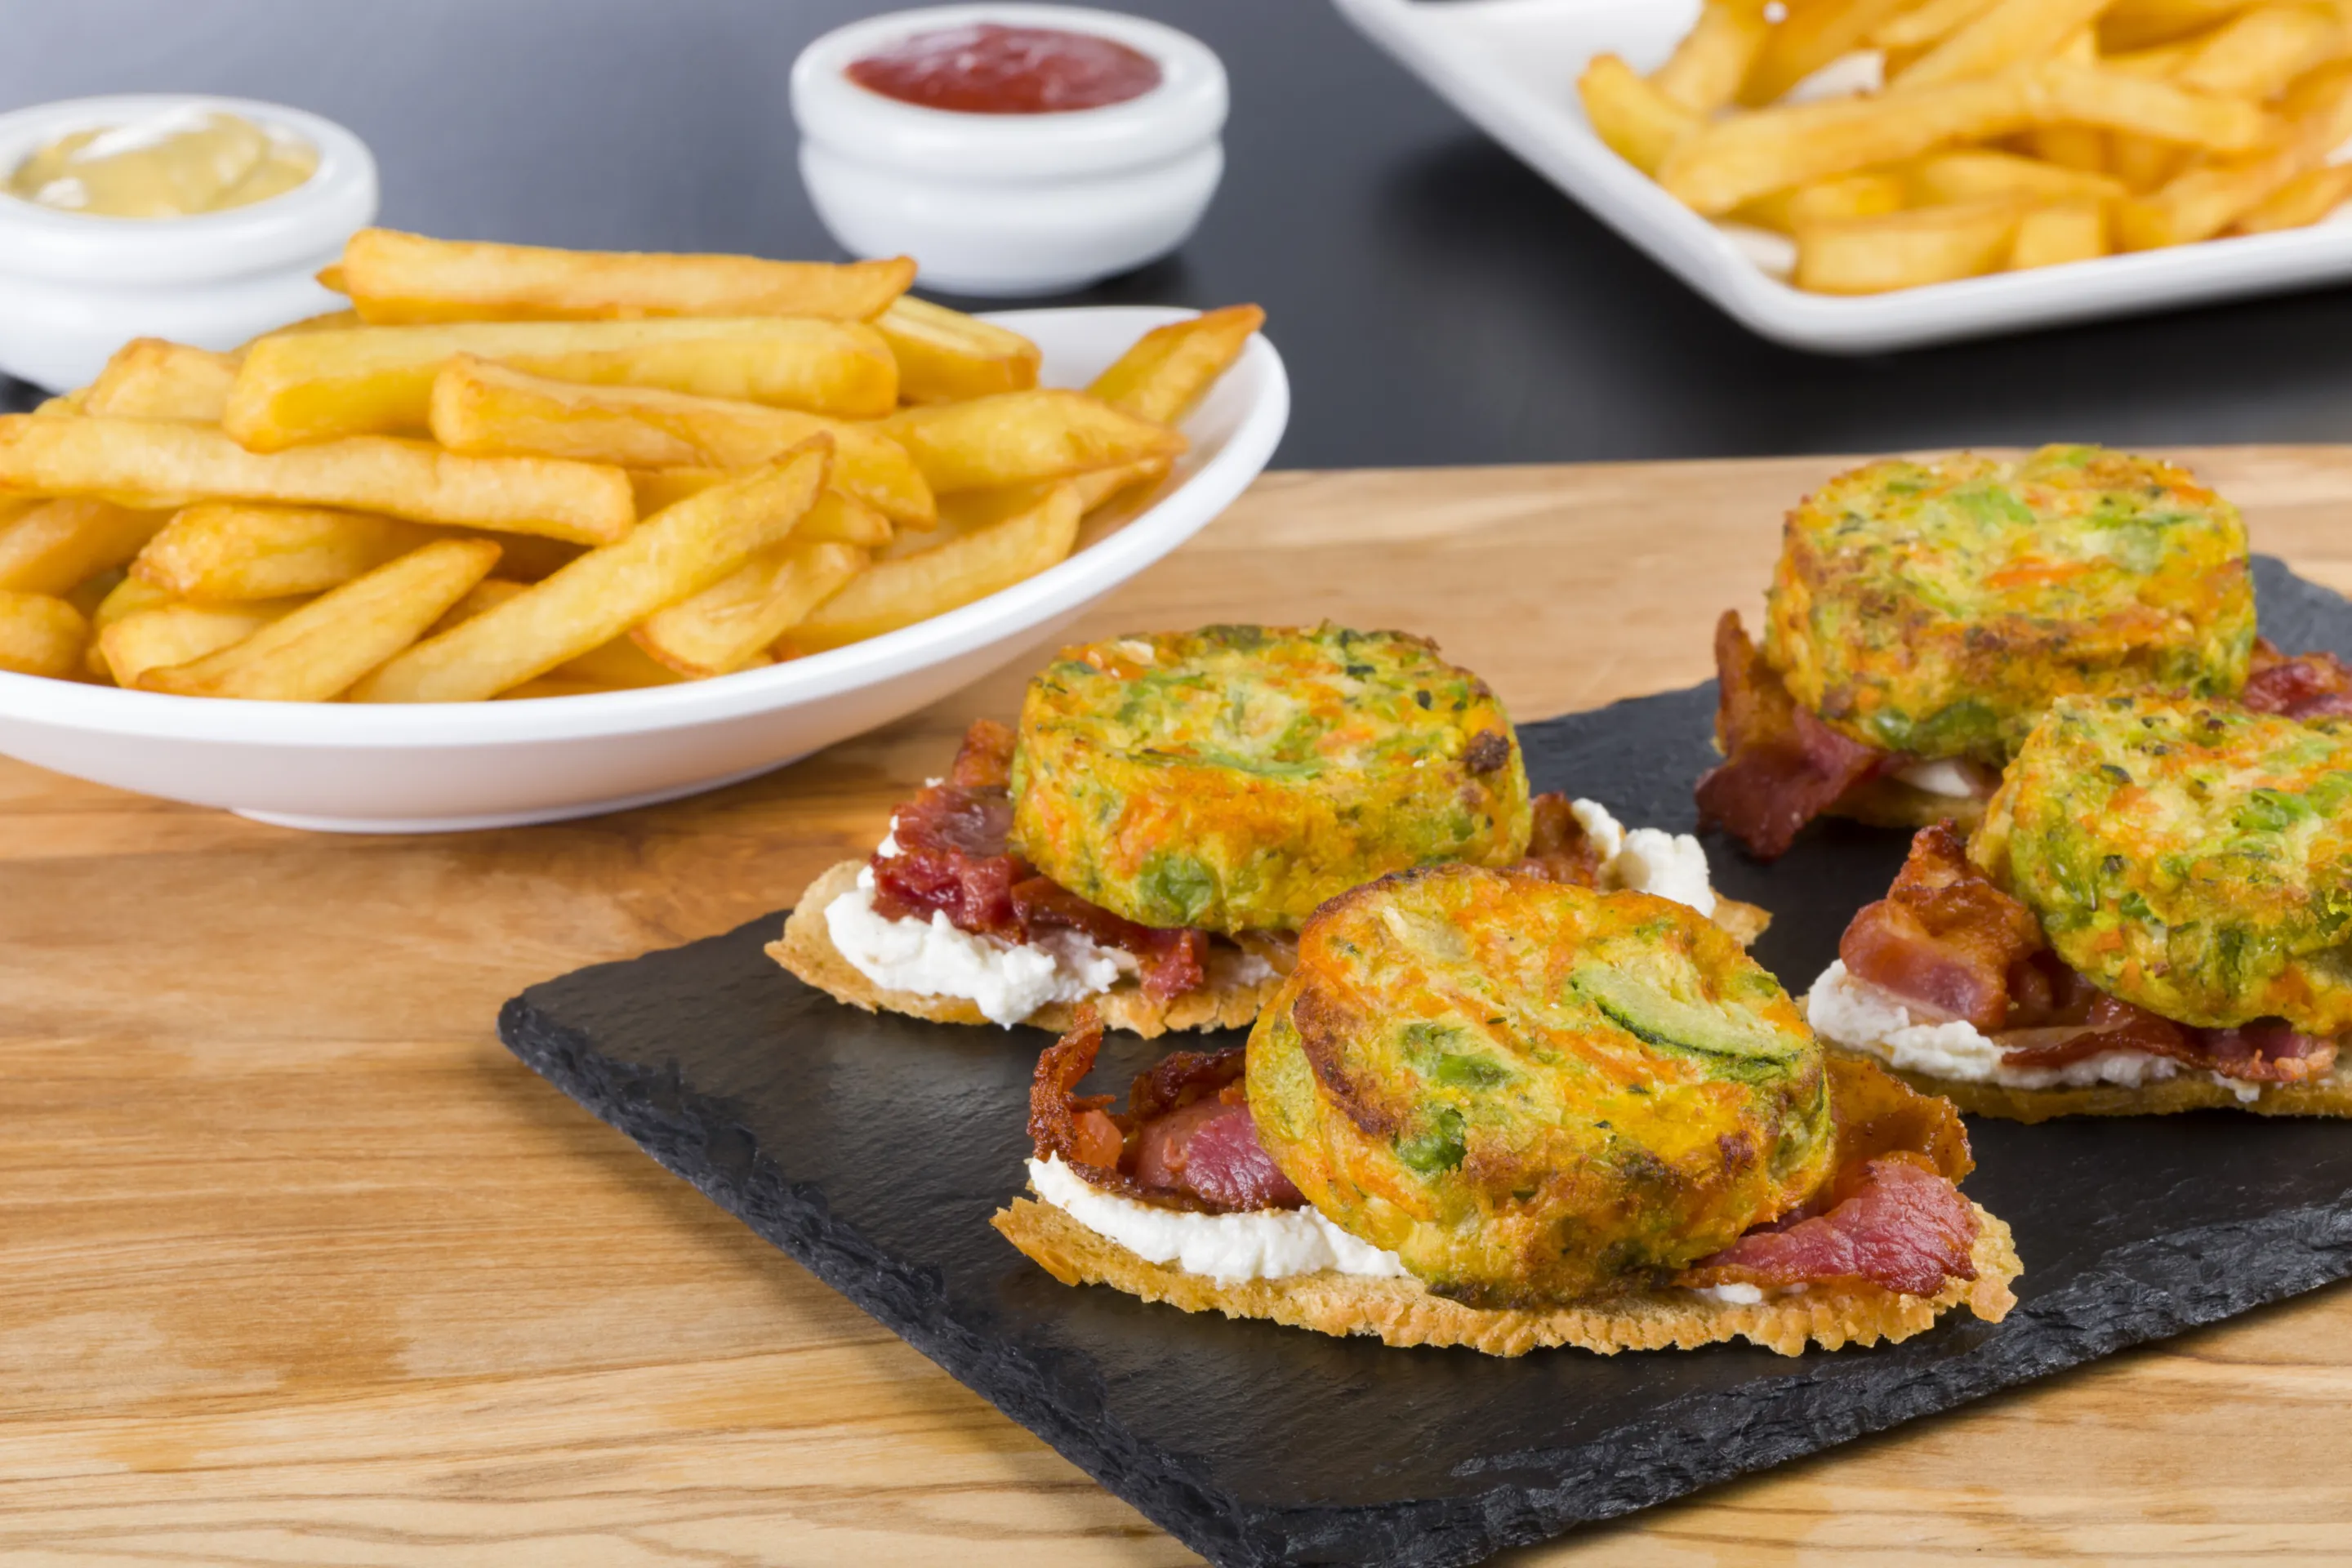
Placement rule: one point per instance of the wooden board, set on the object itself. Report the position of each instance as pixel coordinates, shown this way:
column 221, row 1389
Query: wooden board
column 298, row 1264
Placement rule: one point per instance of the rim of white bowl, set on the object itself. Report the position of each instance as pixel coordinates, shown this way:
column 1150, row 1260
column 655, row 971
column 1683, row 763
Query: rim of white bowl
column 314, row 216
column 1091, row 572
column 1186, row 108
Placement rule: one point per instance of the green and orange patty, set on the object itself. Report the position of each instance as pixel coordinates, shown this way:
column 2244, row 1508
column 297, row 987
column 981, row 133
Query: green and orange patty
column 1231, row 779
column 2192, row 859
column 1937, row 609
column 1533, row 1092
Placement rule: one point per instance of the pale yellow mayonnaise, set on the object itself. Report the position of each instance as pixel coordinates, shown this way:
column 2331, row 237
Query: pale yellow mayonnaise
column 173, row 164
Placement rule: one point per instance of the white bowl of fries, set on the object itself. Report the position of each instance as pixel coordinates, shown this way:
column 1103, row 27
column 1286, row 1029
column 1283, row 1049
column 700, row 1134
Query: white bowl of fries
column 759, row 583
column 1855, row 176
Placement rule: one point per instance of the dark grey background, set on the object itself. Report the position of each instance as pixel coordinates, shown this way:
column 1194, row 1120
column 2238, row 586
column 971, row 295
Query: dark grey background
column 1437, row 302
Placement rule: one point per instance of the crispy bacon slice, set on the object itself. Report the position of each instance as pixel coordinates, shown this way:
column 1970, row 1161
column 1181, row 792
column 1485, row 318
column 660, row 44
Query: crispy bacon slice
column 1061, row 1120
column 1891, row 1212
column 1186, row 1141
column 2269, row 1051
column 1559, row 850
column 1944, row 936
column 1782, row 766
column 2308, row 686
column 1905, row 1228
column 955, row 858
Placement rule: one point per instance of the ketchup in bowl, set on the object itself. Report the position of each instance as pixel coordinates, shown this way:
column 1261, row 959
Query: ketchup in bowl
column 988, row 68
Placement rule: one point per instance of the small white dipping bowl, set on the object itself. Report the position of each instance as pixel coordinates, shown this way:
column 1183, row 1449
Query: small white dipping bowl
column 75, row 288
column 1010, row 205
column 430, row 767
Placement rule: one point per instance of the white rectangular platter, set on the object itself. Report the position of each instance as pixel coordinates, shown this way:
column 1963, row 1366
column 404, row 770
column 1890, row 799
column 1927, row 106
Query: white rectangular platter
column 1510, row 66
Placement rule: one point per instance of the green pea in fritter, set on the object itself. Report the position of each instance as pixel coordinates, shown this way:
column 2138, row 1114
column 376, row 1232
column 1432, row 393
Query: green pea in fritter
column 1231, row 779
column 1534, row 1092
column 2192, row 859
column 1937, row 609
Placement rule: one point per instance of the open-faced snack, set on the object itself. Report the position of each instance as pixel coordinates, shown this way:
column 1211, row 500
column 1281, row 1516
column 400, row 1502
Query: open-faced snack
column 2156, row 915
column 1173, row 808
column 1924, row 614
column 1490, row 1110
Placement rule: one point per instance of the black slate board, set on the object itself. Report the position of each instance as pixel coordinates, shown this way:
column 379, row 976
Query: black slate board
column 873, row 1150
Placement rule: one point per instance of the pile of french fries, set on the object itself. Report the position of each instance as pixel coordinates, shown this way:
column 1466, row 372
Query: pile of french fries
column 509, row 473
column 2005, row 134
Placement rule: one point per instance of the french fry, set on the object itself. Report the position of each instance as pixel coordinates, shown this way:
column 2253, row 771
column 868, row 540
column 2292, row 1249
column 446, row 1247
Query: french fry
column 1705, row 69
column 1905, row 249
column 150, row 378
column 1020, row 437
column 2010, row 33
column 174, row 633
column 1929, row 25
column 2076, row 147
column 835, row 517
column 235, row 549
column 2300, row 202
column 1637, row 122
column 41, row 635
column 1736, row 159
column 944, row 355
column 2159, row 62
column 1978, row 174
column 2062, row 232
column 619, row 665
column 315, row 653
column 672, row 555
column 399, row 278
column 310, row 386
column 2257, row 53
column 147, row 460
column 481, row 407
column 1812, row 36
column 58, row 543
column 331, row 278
column 1871, row 194
column 733, row 621
column 2143, row 24
column 2088, row 95
column 931, row 581
column 1169, row 368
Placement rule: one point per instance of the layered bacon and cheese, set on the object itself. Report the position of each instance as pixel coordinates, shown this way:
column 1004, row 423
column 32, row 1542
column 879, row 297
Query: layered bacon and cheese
column 2157, row 905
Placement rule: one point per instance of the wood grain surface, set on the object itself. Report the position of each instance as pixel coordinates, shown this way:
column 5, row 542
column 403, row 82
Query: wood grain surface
column 297, row 1266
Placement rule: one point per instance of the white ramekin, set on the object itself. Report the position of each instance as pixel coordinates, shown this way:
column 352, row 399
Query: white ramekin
column 74, row 288
column 1011, row 204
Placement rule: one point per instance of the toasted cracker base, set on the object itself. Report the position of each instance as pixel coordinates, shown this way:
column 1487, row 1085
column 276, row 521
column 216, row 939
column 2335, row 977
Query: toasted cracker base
column 806, row 948
column 2330, row 1096
column 808, row 952
column 1403, row 1312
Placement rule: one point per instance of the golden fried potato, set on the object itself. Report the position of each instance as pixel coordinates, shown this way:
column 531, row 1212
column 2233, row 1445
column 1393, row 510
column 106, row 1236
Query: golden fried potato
column 397, row 279
column 41, row 635
column 52, row 545
column 944, row 355
column 235, row 549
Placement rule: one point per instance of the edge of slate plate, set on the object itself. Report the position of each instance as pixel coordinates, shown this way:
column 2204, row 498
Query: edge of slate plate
column 2148, row 1290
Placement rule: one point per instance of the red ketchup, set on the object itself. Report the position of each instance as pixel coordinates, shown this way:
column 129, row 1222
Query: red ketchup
column 986, row 68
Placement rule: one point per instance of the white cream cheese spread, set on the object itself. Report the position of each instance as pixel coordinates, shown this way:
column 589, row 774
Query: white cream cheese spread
column 1262, row 1244
column 1646, row 859
column 1943, row 777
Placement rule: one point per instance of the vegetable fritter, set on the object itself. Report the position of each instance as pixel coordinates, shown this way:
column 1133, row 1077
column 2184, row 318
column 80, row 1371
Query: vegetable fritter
column 2192, row 859
column 1533, row 1092
column 1937, row 609
column 1231, row 779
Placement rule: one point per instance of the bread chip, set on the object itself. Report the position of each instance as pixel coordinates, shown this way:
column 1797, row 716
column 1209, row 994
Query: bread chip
column 1403, row 1312
column 2187, row 1091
